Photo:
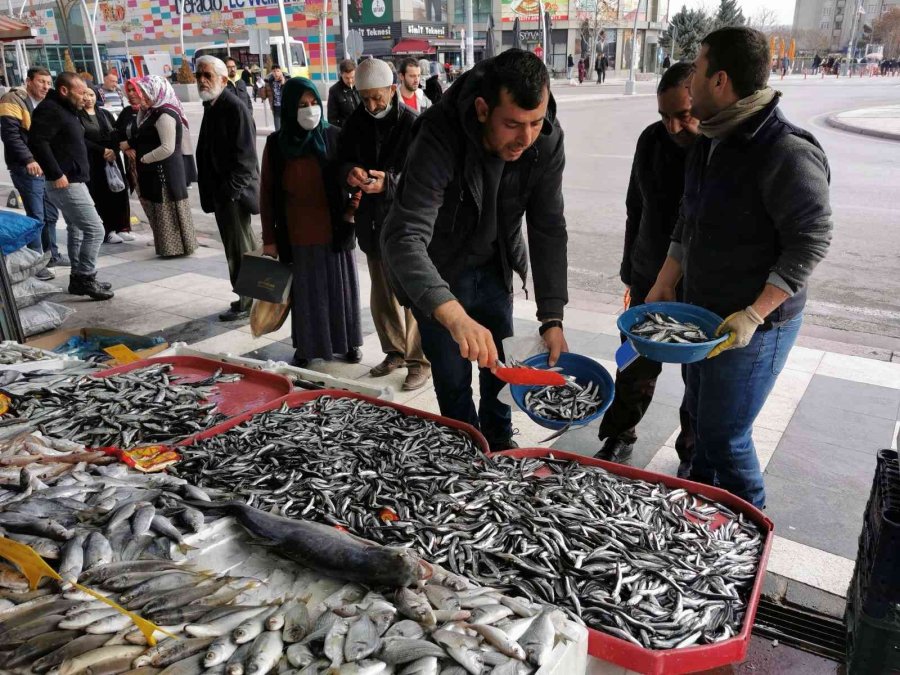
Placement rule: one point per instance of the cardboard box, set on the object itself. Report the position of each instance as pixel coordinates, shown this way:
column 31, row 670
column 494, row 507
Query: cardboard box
column 51, row 341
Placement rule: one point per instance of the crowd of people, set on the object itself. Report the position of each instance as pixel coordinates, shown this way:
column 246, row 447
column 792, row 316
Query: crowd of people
column 727, row 208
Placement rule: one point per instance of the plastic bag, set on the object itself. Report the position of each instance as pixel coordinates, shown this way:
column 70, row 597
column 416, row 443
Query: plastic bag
column 43, row 316
column 24, row 263
column 267, row 317
column 16, row 231
column 31, row 291
column 114, row 178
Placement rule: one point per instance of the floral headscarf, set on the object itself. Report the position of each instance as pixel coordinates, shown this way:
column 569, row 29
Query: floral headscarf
column 161, row 95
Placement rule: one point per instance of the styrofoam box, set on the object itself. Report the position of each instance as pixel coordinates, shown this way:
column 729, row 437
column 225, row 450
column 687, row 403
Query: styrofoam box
column 282, row 368
column 224, row 547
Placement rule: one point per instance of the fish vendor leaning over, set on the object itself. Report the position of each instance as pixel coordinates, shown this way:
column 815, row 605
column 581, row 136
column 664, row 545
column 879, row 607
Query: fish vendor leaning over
column 489, row 152
column 755, row 220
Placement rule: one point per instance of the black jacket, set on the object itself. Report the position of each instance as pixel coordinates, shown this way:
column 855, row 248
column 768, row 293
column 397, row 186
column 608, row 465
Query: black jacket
column 56, row 140
column 227, row 167
column 16, row 113
column 167, row 174
column 342, row 101
column 756, row 212
column 427, row 235
column 99, row 140
column 433, row 89
column 381, row 145
column 651, row 205
column 239, row 89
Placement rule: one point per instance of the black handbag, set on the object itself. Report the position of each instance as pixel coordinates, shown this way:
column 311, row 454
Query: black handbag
column 264, row 278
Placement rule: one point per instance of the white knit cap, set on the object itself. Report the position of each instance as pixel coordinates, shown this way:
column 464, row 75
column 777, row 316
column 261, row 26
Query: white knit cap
column 373, row 74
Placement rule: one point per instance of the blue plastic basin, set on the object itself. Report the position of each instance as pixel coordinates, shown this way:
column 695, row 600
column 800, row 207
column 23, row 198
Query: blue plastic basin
column 583, row 369
column 666, row 352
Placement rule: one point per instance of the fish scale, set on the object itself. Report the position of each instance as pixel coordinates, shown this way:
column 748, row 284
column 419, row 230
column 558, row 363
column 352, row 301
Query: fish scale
column 624, row 556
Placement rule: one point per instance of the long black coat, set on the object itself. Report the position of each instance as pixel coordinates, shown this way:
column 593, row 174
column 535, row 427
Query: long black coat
column 381, row 145
column 227, row 166
column 113, row 207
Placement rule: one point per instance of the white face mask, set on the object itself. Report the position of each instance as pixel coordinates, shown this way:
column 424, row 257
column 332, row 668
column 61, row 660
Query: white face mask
column 381, row 114
column 309, row 118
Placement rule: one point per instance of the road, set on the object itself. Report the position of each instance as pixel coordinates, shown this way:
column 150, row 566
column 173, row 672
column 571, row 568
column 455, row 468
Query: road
column 855, row 290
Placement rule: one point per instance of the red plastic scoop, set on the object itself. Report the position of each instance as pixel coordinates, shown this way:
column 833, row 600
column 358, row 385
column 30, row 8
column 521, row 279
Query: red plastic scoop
column 530, row 377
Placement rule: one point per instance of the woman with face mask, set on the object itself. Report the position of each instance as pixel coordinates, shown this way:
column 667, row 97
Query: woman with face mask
column 307, row 222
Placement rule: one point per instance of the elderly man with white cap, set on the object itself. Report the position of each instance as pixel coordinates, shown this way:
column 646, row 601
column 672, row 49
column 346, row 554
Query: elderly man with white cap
column 372, row 153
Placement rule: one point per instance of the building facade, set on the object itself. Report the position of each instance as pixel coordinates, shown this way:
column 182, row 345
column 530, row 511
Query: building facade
column 828, row 25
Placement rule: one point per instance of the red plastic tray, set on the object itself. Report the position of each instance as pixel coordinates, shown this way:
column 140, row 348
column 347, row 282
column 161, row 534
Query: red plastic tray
column 296, row 399
column 690, row 659
column 254, row 389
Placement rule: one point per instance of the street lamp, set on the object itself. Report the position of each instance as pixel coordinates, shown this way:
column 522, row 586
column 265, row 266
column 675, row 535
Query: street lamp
column 630, row 84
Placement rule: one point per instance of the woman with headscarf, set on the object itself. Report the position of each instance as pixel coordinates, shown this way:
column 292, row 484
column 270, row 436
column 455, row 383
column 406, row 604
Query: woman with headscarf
column 113, row 208
column 162, row 169
column 307, row 222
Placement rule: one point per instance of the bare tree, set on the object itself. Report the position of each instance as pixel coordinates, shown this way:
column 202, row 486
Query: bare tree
column 886, row 30
column 813, row 40
column 764, row 20
column 594, row 14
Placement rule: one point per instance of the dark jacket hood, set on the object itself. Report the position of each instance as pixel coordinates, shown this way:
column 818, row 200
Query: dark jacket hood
column 60, row 100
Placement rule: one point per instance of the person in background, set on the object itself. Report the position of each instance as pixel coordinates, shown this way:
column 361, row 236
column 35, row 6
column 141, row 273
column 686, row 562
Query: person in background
column 412, row 96
column 238, row 85
column 433, row 89
column 601, row 63
column 570, row 67
column 343, row 97
column 161, row 170
column 271, row 92
column 126, row 129
column 453, row 237
column 651, row 206
column 17, row 108
column 113, row 208
column 372, row 152
column 110, row 92
column 816, row 64
column 228, row 169
column 303, row 209
column 582, row 70
column 258, row 82
column 57, row 142
column 667, row 63
column 755, row 221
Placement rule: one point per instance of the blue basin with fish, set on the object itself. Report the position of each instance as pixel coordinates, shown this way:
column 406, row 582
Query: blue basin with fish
column 585, row 370
column 666, row 352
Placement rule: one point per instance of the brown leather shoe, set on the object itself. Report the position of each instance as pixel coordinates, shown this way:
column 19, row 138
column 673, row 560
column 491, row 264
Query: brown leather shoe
column 391, row 362
column 416, row 378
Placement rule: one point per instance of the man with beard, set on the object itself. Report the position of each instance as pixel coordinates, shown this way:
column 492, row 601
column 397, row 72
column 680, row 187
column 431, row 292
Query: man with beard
column 237, row 85
column 755, row 220
column 228, row 171
column 651, row 205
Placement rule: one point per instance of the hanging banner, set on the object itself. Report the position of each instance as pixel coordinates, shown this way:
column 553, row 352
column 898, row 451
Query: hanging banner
column 370, row 12
column 528, row 10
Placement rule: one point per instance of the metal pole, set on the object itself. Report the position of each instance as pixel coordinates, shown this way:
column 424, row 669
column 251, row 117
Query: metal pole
column 470, row 35
column 323, row 38
column 18, row 45
column 288, row 64
column 345, row 28
column 543, row 31
column 181, row 27
column 94, row 47
column 674, row 43
column 630, row 84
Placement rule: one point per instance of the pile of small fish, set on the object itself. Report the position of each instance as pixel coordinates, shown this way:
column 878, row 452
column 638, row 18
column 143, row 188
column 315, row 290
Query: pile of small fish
column 634, row 559
column 144, row 406
column 569, row 403
column 660, row 327
column 82, row 517
column 12, row 353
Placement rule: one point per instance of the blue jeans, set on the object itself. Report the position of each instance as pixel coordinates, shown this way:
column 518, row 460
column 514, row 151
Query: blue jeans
column 37, row 206
column 83, row 224
column 724, row 395
column 483, row 293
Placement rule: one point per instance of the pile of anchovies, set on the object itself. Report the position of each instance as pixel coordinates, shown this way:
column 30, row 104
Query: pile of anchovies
column 660, row 327
column 13, row 353
column 568, row 403
column 631, row 558
column 143, row 406
column 116, row 531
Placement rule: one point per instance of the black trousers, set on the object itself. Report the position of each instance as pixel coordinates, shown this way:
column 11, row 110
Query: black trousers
column 635, row 387
column 233, row 221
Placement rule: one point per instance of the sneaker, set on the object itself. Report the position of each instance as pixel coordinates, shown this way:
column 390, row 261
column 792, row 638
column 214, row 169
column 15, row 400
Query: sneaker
column 126, row 236
column 615, row 450
column 45, row 274
column 234, row 314
column 62, row 260
column 113, row 238
column 354, row 355
column 391, row 362
column 89, row 286
column 416, row 378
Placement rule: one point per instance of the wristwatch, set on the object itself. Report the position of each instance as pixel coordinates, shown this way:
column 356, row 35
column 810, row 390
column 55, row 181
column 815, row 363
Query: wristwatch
column 547, row 325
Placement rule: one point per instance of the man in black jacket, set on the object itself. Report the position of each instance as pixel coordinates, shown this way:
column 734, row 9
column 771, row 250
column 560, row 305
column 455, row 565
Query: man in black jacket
column 227, row 168
column 651, row 205
column 343, row 96
column 57, row 143
column 755, row 221
column 373, row 148
column 237, row 85
column 488, row 153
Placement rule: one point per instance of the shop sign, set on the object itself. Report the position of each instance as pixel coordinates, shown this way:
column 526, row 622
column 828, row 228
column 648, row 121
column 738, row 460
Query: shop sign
column 529, row 10
column 424, row 30
column 369, row 12
column 376, row 32
column 208, row 6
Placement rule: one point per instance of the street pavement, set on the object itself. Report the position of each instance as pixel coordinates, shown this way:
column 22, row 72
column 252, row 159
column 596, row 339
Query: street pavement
column 881, row 122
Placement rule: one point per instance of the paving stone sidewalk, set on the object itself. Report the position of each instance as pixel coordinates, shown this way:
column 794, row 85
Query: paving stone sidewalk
column 883, row 122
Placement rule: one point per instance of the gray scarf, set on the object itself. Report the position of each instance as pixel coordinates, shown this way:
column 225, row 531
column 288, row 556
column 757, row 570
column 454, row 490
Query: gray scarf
column 723, row 123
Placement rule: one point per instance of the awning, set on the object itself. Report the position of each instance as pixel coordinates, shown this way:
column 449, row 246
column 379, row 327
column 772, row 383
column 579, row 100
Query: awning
column 11, row 30
column 413, row 47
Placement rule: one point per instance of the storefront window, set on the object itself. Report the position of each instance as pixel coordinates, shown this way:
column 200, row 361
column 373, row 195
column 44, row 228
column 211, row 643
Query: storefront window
column 481, row 10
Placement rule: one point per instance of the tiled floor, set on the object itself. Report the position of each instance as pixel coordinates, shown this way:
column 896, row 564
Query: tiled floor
column 816, row 437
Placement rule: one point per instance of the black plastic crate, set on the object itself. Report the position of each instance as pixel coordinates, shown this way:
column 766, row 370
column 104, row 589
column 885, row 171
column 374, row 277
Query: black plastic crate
column 873, row 647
